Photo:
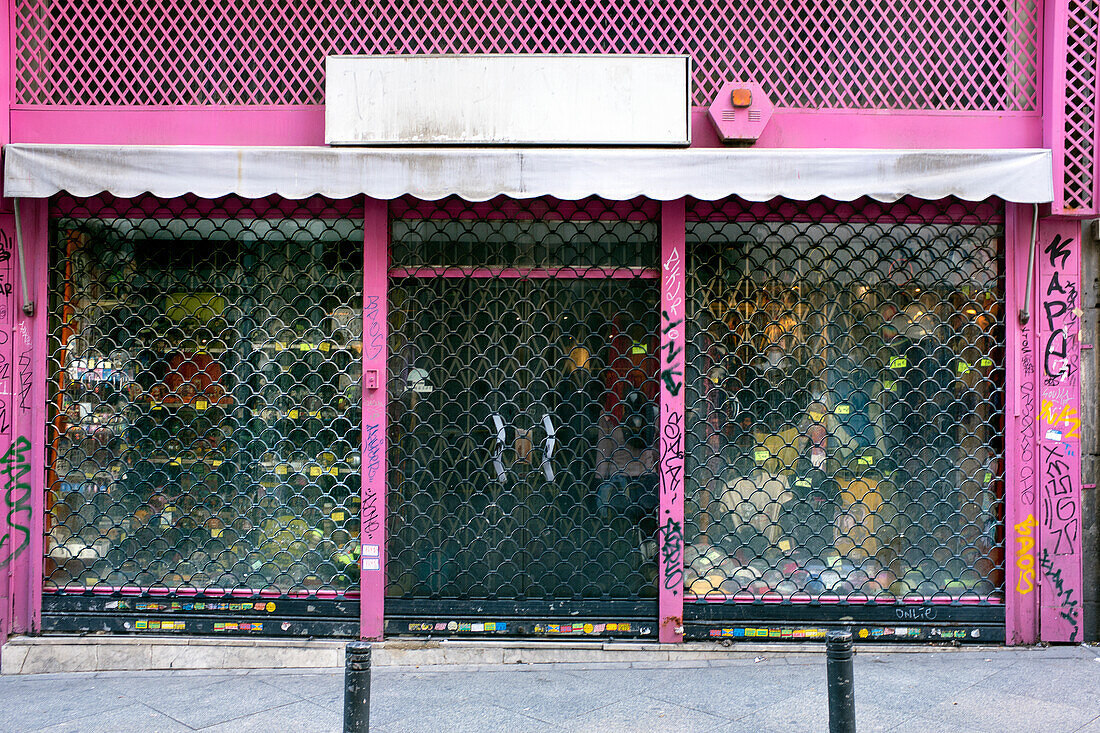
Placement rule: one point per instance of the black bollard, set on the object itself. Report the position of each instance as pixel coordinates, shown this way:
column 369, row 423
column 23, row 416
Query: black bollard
column 357, row 687
column 838, row 669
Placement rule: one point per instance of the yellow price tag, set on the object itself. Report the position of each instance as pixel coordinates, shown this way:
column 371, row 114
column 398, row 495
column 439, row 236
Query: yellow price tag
column 215, row 463
column 158, row 407
column 201, row 404
column 293, row 414
column 865, row 460
column 898, row 362
column 985, row 362
column 314, row 470
column 816, row 416
column 889, row 385
column 785, row 545
column 843, row 409
column 338, row 516
column 313, row 413
column 215, row 533
column 174, row 462
column 962, row 367
column 324, row 346
column 762, row 454
column 281, row 469
column 332, row 471
column 303, row 346
column 280, row 345
column 988, row 477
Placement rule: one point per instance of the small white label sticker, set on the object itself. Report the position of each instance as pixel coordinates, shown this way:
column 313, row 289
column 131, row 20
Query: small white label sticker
column 1054, row 435
column 370, row 550
column 370, row 563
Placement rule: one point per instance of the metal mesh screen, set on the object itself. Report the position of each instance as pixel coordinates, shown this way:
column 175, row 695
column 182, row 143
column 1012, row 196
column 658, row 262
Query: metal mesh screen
column 845, row 401
column 523, row 400
column 205, row 397
column 972, row 55
column 1082, row 56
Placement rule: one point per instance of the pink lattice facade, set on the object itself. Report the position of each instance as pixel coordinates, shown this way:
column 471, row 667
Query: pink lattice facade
column 696, row 312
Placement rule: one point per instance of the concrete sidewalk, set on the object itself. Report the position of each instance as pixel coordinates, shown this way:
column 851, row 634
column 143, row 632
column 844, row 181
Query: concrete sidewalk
column 968, row 689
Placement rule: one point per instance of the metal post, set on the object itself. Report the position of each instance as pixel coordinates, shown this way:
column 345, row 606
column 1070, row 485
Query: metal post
column 357, row 687
column 838, row 668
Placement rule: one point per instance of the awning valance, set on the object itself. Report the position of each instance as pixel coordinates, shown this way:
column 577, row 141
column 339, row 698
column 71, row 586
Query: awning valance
column 477, row 174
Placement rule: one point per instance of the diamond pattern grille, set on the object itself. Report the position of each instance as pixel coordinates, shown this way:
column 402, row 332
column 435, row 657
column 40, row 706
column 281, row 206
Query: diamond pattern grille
column 866, row 54
column 523, row 401
column 1079, row 169
column 845, row 402
column 205, row 400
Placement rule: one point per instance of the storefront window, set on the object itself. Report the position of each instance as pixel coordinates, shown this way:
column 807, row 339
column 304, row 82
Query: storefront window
column 523, row 401
column 205, row 396
column 845, row 402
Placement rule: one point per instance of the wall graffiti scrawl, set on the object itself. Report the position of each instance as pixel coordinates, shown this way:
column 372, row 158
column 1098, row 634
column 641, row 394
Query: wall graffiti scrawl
column 1058, row 494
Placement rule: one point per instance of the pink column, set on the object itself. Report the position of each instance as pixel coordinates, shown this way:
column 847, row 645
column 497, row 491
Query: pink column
column 1058, row 499
column 1021, row 585
column 373, row 558
column 12, row 538
column 670, row 523
column 25, row 458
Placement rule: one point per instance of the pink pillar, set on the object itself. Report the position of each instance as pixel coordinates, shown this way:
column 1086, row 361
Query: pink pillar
column 373, row 558
column 1058, row 498
column 1021, row 387
column 8, row 303
column 24, row 459
column 670, row 522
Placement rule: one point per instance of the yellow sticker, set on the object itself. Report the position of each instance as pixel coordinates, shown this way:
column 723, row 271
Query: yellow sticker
column 174, row 462
column 270, row 606
column 338, row 516
column 638, row 349
column 158, row 407
column 865, row 460
column 988, row 477
column 985, row 362
column 762, row 454
column 313, row 413
column 962, row 367
column 816, row 416
column 215, row 533
column 215, row 463
column 785, row 545
column 293, row 414
column 281, row 469
column 332, row 471
column 324, row 346
column 898, row 362
column 304, row 346
column 889, row 385
column 314, row 470
column 843, row 409
column 201, row 404
column 280, row 345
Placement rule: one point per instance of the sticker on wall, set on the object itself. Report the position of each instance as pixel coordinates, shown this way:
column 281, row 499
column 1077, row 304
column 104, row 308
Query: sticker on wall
column 417, row 382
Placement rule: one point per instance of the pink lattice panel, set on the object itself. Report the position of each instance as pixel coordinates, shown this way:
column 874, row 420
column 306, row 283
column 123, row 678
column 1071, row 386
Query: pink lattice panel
column 1079, row 168
column 867, row 54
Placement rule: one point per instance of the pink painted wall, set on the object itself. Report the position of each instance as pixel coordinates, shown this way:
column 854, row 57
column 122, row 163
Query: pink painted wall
column 670, row 523
column 1058, row 497
column 1021, row 580
column 373, row 514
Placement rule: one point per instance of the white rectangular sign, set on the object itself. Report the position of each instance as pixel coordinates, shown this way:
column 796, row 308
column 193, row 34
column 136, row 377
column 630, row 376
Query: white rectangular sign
column 508, row 100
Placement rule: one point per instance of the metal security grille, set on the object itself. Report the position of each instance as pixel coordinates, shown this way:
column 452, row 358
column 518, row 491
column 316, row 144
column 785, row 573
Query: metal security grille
column 205, row 397
column 845, row 402
column 1082, row 56
column 523, row 401
column 937, row 54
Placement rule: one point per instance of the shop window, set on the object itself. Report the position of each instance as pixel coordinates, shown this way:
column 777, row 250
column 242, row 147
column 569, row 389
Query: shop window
column 523, row 401
column 845, row 402
column 205, row 397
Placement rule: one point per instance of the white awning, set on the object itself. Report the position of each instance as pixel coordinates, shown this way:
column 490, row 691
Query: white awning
column 477, row 174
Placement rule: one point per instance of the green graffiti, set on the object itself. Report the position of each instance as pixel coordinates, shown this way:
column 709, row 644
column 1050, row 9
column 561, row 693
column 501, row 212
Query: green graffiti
column 17, row 494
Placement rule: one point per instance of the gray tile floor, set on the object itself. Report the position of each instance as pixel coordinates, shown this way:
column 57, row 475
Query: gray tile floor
column 1033, row 690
